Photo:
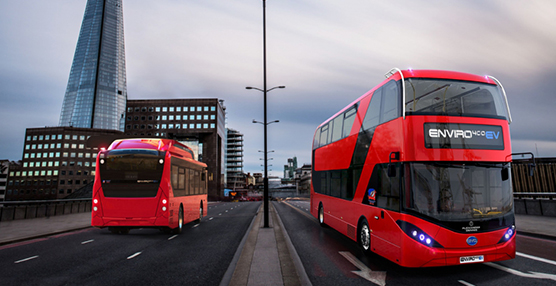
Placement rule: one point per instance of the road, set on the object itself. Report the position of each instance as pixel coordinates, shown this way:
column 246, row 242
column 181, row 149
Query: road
column 330, row 258
column 200, row 255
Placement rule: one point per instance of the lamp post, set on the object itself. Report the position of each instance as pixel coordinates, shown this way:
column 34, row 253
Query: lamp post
column 265, row 123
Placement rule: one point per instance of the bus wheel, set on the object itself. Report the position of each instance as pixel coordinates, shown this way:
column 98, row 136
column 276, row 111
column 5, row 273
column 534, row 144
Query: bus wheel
column 179, row 229
column 365, row 235
column 200, row 214
column 321, row 215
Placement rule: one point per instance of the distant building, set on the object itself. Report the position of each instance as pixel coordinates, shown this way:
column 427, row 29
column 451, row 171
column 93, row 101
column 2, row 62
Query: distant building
column 303, row 179
column 96, row 92
column 55, row 163
column 236, row 179
column 195, row 122
column 4, row 170
column 289, row 171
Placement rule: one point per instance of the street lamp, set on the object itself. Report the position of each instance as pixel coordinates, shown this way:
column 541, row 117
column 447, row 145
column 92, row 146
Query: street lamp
column 265, row 90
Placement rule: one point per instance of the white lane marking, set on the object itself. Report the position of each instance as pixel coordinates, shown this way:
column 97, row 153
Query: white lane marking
column 220, row 214
column 465, row 283
column 172, row 237
column 26, row 259
column 134, row 255
column 210, row 218
column 307, row 209
column 377, row 277
column 87, row 241
column 535, row 275
column 536, row 258
column 195, row 226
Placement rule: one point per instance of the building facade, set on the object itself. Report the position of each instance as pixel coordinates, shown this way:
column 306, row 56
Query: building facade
column 195, row 122
column 4, row 170
column 236, row 179
column 56, row 162
column 96, row 92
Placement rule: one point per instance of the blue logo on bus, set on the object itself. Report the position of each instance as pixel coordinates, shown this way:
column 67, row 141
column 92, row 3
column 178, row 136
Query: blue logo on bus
column 472, row 240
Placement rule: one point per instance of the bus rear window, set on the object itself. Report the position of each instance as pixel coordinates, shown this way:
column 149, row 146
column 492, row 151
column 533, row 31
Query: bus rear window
column 131, row 173
column 453, row 98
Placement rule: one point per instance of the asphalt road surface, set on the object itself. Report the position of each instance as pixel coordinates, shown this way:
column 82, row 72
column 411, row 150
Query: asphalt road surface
column 330, row 258
column 200, row 255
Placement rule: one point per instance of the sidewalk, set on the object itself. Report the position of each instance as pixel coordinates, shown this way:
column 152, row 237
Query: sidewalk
column 544, row 226
column 23, row 229
column 268, row 257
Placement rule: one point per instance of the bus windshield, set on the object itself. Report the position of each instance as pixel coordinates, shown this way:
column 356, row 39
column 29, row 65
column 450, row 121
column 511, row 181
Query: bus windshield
column 459, row 191
column 131, row 172
column 453, row 98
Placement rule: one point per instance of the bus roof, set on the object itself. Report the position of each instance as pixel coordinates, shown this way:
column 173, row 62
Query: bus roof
column 149, row 143
column 411, row 73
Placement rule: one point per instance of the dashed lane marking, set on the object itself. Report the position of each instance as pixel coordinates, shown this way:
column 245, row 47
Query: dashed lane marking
column 87, row 241
column 26, row 259
column 133, row 256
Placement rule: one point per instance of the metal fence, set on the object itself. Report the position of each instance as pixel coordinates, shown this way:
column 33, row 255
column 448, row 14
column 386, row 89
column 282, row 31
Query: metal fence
column 13, row 210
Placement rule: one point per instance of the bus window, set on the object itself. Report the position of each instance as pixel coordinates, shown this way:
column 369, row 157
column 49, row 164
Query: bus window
column 324, row 135
column 337, row 128
column 373, row 113
column 317, row 137
column 181, row 179
column 349, row 118
column 390, row 102
column 387, row 189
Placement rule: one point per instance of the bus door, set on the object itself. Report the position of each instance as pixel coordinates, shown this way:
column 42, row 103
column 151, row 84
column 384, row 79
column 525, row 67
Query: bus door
column 386, row 234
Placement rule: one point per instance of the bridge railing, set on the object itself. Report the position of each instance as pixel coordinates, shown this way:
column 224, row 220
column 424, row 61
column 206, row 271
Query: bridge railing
column 13, row 210
column 543, row 204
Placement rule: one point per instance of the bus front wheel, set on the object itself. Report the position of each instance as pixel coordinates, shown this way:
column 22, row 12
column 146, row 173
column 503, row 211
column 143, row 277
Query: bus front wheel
column 321, row 215
column 365, row 235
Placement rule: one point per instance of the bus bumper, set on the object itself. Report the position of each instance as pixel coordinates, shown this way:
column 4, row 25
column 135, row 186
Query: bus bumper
column 129, row 222
column 433, row 257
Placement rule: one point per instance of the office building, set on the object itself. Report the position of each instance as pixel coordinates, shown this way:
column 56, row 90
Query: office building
column 96, row 92
column 195, row 122
column 56, row 162
column 236, row 179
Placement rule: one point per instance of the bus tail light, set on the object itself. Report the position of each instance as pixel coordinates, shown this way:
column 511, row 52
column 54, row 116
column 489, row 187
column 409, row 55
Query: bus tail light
column 418, row 235
column 510, row 232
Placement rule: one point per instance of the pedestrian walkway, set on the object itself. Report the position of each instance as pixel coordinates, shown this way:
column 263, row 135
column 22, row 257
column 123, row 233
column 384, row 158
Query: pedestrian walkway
column 544, row 226
column 23, row 229
column 265, row 258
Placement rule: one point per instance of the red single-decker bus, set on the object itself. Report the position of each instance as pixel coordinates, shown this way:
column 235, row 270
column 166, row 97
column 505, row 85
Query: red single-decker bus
column 417, row 170
column 141, row 183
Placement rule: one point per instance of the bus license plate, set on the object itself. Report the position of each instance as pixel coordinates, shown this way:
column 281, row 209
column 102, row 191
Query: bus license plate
column 471, row 259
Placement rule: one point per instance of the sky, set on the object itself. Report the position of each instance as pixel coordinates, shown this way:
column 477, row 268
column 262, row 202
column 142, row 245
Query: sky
column 326, row 52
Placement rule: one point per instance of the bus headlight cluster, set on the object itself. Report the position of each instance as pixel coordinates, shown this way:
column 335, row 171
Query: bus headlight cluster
column 510, row 232
column 417, row 234
column 164, row 202
column 95, row 202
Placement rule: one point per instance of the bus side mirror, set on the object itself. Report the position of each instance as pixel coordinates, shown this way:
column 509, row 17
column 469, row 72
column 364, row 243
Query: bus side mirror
column 505, row 174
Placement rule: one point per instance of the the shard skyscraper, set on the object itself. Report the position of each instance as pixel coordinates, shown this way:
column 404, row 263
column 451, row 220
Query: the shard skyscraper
column 96, row 93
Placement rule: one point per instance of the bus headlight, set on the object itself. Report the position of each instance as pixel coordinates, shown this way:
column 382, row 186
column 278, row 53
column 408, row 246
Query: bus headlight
column 163, row 208
column 417, row 234
column 95, row 209
column 510, row 232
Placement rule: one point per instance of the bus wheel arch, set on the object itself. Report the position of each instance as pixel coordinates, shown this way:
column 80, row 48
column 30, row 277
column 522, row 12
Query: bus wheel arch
column 364, row 234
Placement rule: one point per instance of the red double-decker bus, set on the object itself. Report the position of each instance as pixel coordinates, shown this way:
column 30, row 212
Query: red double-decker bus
column 417, row 170
column 143, row 183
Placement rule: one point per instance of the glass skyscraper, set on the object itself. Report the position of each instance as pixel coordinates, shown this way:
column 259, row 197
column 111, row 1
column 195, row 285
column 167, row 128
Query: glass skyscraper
column 96, row 93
